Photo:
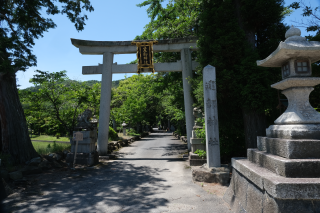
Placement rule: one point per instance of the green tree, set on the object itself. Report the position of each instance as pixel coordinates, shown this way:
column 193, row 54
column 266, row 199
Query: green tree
column 312, row 16
column 135, row 101
column 233, row 34
column 20, row 23
column 62, row 99
column 178, row 19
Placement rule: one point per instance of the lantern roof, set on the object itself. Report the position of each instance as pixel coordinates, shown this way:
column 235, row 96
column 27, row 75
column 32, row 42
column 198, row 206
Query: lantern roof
column 294, row 46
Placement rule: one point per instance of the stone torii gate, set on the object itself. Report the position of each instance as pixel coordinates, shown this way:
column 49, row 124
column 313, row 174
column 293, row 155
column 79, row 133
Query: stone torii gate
column 109, row 48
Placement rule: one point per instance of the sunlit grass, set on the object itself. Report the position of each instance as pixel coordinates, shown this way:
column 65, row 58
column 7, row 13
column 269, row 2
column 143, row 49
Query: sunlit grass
column 49, row 138
column 44, row 148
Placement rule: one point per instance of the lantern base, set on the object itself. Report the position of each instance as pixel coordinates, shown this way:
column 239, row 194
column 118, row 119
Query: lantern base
column 296, row 131
column 299, row 110
column 256, row 189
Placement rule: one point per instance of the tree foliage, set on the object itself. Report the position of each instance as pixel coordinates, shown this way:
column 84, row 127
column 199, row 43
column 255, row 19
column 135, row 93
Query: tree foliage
column 233, row 35
column 56, row 103
column 22, row 22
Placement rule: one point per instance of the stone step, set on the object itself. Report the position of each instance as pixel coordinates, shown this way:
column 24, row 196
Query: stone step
column 295, row 168
column 290, row 148
column 195, row 156
column 276, row 185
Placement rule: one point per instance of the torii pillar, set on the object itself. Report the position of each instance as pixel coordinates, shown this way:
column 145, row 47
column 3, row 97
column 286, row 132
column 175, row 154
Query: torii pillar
column 105, row 102
column 188, row 101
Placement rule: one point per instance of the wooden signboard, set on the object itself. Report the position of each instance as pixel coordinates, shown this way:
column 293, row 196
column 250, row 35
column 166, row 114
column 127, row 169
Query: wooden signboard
column 78, row 136
column 145, row 56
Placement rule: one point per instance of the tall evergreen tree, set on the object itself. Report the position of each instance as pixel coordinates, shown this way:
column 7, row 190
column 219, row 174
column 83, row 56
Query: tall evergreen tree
column 233, row 34
column 20, row 23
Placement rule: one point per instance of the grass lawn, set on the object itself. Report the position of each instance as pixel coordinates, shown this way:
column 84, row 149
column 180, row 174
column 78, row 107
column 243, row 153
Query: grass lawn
column 49, row 138
column 45, row 148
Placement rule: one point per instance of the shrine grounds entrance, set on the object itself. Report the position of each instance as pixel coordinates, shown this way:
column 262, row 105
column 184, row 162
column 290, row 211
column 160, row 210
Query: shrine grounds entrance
column 107, row 68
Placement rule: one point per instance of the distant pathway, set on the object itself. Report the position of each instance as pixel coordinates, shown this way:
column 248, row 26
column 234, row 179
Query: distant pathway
column 149, row 176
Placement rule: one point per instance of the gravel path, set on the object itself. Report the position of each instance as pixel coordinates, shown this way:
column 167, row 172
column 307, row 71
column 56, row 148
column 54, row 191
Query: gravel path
column 148, row 176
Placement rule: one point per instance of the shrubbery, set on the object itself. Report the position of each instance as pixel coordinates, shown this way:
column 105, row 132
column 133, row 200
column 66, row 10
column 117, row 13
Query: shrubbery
column 112, row 134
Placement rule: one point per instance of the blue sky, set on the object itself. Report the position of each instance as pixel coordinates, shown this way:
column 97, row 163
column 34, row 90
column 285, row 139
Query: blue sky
column 111, row 20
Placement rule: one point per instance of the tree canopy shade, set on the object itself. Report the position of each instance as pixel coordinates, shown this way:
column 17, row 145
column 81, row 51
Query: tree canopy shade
column 20, row 23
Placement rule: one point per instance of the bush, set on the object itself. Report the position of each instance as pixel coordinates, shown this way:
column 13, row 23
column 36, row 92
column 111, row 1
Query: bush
column 201, row 153
column 112, row 134
column 132, row 132
column 58, row 135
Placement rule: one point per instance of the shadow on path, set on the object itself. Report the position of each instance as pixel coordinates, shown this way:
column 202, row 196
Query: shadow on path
column 117, row 186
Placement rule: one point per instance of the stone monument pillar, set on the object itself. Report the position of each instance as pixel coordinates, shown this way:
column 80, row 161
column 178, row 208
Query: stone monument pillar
column 213, row 171
column 211, row 117
column 282, row 174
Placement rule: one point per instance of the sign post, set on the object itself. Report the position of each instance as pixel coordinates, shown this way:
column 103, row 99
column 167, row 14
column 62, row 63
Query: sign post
column 78, row 136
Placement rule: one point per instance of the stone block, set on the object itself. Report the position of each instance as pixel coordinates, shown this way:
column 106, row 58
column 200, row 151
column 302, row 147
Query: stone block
column 15, row 175
column 269, row 204
column 197, row 162
column 240, row 188
column 45, row 164
column 195, row 156
column 88, row 134
column 196, row 144
column 261, row 143
column 83, row 158
column 293, row 149
column 84, row 148
column 35, row 161
column 203, row 175
column 253, row 176
column 244, row 196
column 29, row 170
column 294, row 131
column 277, row 186
column 254, row 199
column 296, row 168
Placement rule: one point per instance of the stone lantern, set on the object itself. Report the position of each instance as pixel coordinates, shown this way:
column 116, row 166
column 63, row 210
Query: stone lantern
column 124, row 125
column 283, row 173
column 86, row 151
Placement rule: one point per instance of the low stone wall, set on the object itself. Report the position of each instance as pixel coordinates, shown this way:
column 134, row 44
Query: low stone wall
column 182, row 138
column 115, row 145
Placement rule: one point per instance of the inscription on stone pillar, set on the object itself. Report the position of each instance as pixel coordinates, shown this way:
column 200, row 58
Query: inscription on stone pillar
column 210, row 85
column 211, row 117
column 213, row 142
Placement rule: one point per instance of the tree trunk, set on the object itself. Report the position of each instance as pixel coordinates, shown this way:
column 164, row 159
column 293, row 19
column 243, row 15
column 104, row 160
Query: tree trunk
column 15, row 139
column 254, row 125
